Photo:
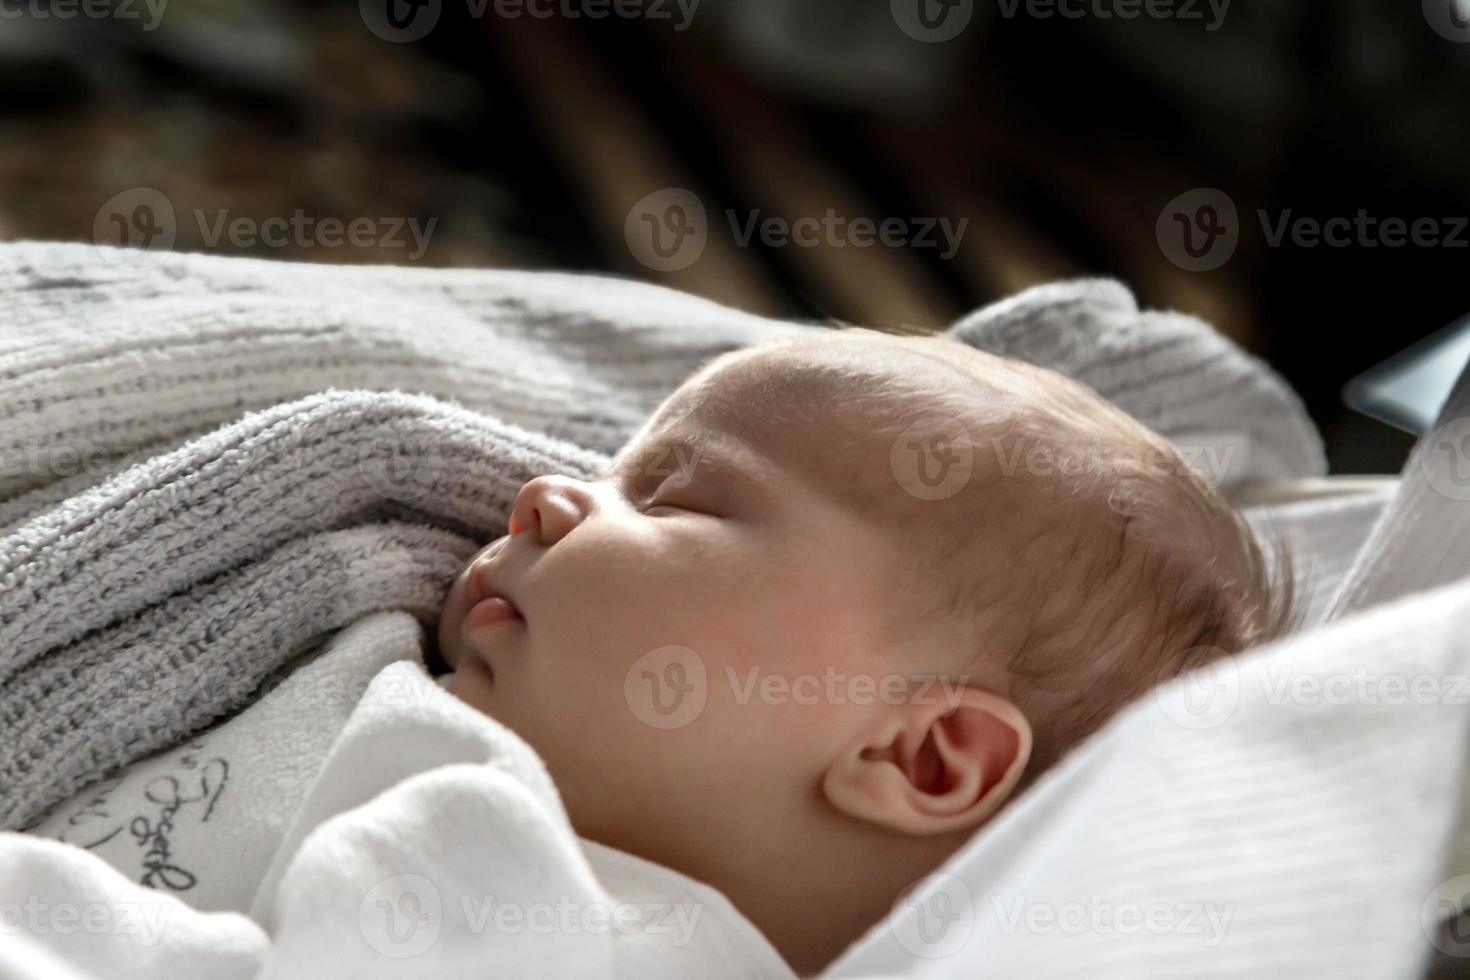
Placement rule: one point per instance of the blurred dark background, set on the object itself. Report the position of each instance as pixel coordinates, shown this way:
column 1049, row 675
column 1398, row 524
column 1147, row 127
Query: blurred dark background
column 532, row 132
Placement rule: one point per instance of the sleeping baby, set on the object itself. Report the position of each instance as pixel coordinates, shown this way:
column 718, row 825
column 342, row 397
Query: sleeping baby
column 837, row 602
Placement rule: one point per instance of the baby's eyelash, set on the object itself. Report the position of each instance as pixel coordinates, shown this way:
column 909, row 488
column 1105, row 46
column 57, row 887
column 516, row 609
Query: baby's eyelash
column 675, row 499
column 661, row 493
column 643, row 484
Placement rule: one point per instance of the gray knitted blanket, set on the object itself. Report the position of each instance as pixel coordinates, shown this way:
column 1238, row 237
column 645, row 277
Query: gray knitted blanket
column 207, row 467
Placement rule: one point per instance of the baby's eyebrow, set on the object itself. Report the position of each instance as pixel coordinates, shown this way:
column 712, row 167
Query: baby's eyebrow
column 721, row 459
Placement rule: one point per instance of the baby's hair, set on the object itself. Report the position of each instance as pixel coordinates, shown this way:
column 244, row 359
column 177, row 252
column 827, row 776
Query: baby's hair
column 1139, row 570
column 1163, row 576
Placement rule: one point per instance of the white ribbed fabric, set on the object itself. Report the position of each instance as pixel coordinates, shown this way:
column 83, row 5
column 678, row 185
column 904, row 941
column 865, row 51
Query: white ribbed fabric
column 1324, row 538
column 1420, row 540
column 1289, row 815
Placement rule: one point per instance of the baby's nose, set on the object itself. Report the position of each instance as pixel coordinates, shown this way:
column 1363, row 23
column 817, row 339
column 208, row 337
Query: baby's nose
column 550, row 507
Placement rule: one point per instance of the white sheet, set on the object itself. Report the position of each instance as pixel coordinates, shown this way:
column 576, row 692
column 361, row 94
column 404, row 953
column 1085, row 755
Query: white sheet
column 204, row 820
column 432, row 843
column 1292, row 817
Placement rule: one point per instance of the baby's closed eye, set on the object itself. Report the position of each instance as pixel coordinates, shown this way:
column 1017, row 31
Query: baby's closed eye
column 671, row 497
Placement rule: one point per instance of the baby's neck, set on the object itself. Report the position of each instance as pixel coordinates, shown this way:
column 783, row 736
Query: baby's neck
column 814, row 901
column 812, row 922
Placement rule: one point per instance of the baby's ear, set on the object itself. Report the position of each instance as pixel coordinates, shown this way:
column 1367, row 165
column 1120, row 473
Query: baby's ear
column 933, row 768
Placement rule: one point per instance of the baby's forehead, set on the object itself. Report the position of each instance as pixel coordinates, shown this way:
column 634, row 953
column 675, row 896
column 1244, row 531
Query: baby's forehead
column 826, row 410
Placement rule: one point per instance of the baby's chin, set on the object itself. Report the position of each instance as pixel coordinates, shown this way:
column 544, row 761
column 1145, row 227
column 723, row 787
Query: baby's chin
column 472, row 684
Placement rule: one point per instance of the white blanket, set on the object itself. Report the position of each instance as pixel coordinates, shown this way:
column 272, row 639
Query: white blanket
column 204, row 820
column 431, row 842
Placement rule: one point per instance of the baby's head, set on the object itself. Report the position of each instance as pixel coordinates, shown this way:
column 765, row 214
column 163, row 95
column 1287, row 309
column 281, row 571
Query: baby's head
column 837, row 601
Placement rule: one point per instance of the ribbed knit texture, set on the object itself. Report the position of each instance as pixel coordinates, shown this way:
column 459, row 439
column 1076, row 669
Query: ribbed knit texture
column 275, row 450
column 1179, row 377
column 1419, row 540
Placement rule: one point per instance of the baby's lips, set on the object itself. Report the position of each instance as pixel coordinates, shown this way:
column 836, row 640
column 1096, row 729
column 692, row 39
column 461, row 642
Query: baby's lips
column 480, row 586
column 488, row 612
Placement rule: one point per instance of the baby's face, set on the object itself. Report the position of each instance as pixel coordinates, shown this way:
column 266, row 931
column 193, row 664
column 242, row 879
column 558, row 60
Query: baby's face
column 761, row 648
column 698, row 633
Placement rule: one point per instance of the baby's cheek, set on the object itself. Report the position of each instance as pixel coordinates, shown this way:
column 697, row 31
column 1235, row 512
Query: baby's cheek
column 828, row 624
